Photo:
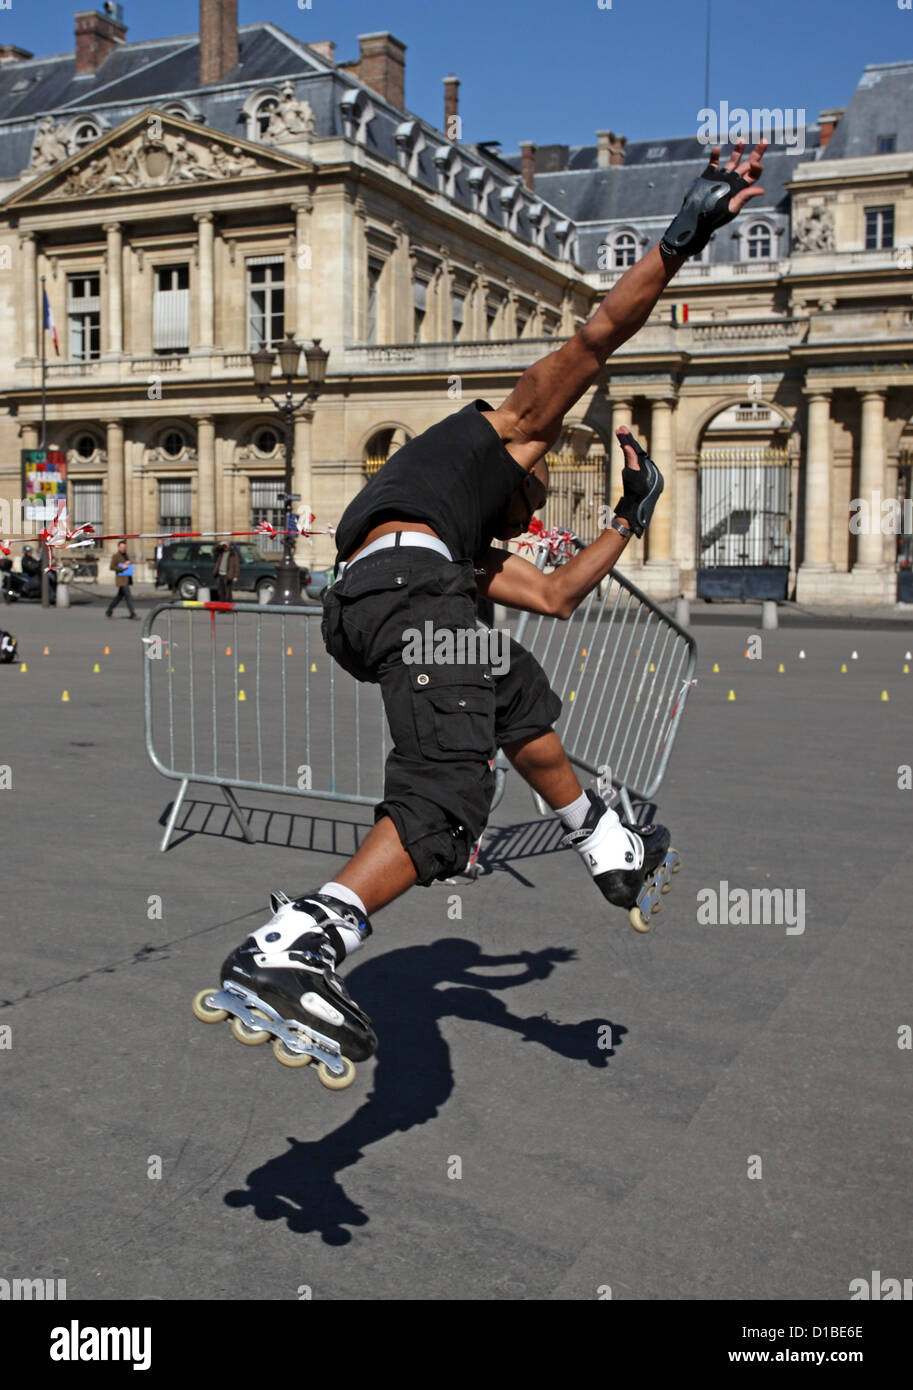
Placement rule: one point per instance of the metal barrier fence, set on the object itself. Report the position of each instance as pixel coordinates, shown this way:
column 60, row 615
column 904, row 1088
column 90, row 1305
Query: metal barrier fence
column 245, row 696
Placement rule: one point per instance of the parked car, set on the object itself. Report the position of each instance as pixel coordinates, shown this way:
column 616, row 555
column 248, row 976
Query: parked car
column 186, row 567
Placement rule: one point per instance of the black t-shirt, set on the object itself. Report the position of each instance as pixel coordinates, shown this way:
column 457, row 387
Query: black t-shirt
column 457, row 477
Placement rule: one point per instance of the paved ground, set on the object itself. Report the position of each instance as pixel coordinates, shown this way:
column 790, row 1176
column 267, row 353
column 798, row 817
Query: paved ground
column 581, row 1166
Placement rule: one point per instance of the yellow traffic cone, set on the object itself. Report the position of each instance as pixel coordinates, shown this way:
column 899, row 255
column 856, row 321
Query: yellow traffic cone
column 906, row 670
column 313, row 665
column 241, row 668
column 731, row 695
column 781, row 669
column 65, row 696
column 23, row 668
column 95, row 669
column 843, row 669
column 716, row 669
column 884, row 697
column 652, row 667
column 241, row 696
column 572, row 694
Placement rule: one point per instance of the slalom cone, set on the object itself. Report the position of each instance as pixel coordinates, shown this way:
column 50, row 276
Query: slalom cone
column 288, row 651
column 855, row 656
column 802, row 656
column 46, row 652
column 23, row 668
column 885, row 697
column 730, row 696
column 906, row 670
column 241, row 696
column 843, row 669
column 228, row 651
column 313, row 665
column 95, row 669
column 241, row 670
column 572, row 694
column 107, row 651
column 781, row 669
column 65, row 696
column 716, row 669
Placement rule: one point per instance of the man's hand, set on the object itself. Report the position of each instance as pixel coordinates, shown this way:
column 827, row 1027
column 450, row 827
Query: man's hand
column 714, row 199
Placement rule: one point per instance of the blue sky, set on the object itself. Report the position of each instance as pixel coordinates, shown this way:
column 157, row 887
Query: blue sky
column 558, row 70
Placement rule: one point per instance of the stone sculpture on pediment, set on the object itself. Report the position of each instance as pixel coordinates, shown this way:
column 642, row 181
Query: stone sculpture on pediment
column 290, row 119
column 816, row 233
column 52, row 145
column 151, row 162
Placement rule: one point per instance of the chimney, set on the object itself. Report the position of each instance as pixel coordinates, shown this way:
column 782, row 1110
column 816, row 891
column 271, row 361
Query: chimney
column 617, row 149
column 452, row 107
column 218, row 39
column 528, row 166
column 828, row 121
column 9, row 53
column 382, row 67
column 97, row 35
column 326, row 48
column 602, row 153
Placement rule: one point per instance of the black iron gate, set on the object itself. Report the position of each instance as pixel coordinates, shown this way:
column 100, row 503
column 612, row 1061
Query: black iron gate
column 744, row 522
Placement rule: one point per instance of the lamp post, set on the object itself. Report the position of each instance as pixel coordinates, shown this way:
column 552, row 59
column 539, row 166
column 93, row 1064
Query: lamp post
column 288, row 588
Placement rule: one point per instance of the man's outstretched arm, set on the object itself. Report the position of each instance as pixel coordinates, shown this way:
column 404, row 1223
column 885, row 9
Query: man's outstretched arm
column 530, row 419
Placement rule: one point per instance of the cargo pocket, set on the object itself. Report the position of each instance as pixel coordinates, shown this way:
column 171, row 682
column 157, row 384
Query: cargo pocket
column 454, row 720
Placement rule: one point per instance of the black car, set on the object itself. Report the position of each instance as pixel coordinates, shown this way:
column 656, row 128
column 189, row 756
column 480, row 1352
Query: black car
column 186, row 567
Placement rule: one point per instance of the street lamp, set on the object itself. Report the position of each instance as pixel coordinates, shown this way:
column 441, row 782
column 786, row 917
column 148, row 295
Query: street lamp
column 288, row 587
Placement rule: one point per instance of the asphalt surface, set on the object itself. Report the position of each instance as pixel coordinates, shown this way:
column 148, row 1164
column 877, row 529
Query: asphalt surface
column 497, row 1147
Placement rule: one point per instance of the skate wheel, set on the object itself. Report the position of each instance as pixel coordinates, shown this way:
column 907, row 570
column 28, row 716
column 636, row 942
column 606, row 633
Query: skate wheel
column 336, row 1083
column 637, row 919
column 251, row 1037
column 205, row 1012
column 678, row 863
column 287, row 1058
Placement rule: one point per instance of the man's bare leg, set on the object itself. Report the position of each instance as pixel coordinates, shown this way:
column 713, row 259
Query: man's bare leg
column 542, row 762
column 380, row 870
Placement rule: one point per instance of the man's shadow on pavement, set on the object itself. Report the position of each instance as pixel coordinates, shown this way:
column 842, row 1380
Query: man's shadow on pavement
column 413, row 1077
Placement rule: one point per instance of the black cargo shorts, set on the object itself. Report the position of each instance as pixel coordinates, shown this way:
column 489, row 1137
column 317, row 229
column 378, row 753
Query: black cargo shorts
column 446, row 718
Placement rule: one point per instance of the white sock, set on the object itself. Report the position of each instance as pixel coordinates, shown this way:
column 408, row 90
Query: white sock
column 352, row 938
column 573, row 816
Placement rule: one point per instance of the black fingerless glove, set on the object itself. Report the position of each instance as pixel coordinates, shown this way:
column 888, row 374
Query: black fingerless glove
column 705, row 209
column 642, row 488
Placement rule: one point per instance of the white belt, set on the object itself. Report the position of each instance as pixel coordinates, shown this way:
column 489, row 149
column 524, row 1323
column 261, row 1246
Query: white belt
column 397, row 538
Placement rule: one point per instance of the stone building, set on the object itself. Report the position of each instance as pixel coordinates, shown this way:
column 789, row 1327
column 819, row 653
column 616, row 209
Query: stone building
column 189, row 199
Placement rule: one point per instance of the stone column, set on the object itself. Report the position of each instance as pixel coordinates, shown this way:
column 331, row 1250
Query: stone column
column 400, row 311
column 304, row 270
column 207, row 320
column 115, row 288
column 115, row 521
column 31, row 347
column 659, row 550
column 206, row 472
column 870, row 541
column 685, row 525
column 817, row 549
column 622, row 414
column 30, row 435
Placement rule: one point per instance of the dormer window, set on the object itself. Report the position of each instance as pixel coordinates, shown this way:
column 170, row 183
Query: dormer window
column 511, row 203
column 357, row 114
column 624, row 250
column 758, row 242
column 410, row 141
column 481, row 186
column 448, row 164
column 541, row 220
column 84, row 132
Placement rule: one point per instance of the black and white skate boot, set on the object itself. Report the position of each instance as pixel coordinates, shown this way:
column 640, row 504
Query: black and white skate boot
column 282, row 982
column 631, row 865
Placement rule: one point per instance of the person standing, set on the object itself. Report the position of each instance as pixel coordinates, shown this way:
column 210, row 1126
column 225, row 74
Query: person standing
column 122, row 566
column 226, row 571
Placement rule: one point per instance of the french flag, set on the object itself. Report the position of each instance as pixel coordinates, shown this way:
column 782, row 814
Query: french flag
column 49, row 322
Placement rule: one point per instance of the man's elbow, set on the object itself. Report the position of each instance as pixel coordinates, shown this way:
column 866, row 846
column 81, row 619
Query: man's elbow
column 560, row 605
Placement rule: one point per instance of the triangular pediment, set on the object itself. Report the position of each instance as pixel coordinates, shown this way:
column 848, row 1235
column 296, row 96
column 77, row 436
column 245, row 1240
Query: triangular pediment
column 152, row 151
